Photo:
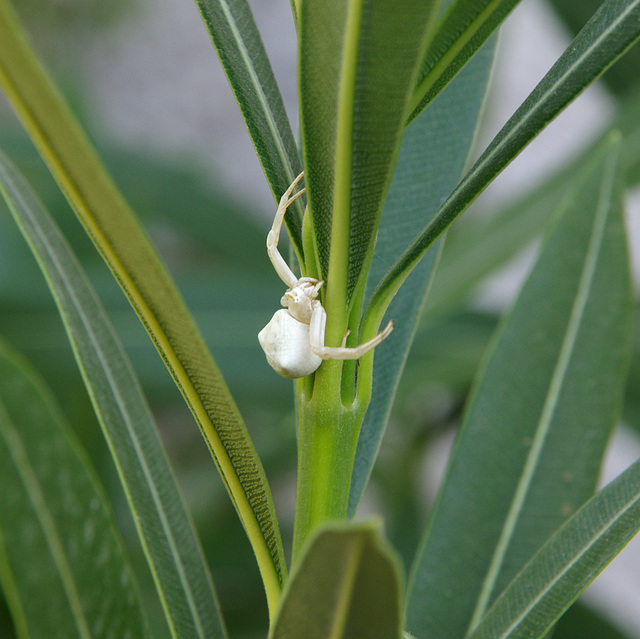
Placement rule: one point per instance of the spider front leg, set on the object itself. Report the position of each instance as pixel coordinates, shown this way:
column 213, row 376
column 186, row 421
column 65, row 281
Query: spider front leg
column 317, row 328
column 279, row 264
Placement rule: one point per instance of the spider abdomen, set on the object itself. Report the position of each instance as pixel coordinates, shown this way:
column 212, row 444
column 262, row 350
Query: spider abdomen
column 287, row 345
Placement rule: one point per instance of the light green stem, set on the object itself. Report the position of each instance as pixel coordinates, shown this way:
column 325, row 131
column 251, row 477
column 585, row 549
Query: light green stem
column 327, row 439
column 328, row 432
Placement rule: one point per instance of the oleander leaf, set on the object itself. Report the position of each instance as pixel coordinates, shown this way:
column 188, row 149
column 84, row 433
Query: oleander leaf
column 138, row 270
column 236, row 38
column 168, row 538
column 536, row 426
column 612, row 30
column 347, row 585
column 358, row 64
column 462, row 30
column 62, row 565
column 431, row 160
column 563, row 568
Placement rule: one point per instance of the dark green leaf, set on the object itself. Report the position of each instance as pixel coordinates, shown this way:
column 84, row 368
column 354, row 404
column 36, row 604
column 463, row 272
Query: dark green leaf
column 536, row 426
column 62, row 566
column 611, row 31
column 464, row 28
column 583, row 622
column 346, row 586
column 136, row 266
column 621, row 77
column 562, row 569
column 430, row 162
column 169, row 541
column 238, row 43
column 477, row 246
column 358, row 64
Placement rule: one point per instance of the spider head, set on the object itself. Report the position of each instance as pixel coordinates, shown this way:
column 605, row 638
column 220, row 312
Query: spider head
column 298, row 299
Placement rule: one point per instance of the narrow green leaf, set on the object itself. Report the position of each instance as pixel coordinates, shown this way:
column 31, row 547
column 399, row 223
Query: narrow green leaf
column 623, row 76
column 347, row 585
column 535, row 429
column 477, row 246
column 167, row 535
column 431, row 160
column 358, row 64
column 136, row 266
column 238, row 43
column 464, row 28
column 62, row 566
column 611, row 31
column 562, row 569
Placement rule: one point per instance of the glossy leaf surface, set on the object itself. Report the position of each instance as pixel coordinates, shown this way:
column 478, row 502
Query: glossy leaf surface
column 62, row 566
column 532, row 440
column 168, row 538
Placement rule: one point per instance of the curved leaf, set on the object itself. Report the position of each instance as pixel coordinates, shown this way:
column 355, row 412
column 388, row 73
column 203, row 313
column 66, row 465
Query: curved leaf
column 534, row 432
column 238, row 43
column 168, row 538
column 346, row 586
column 358, row 63
column 562, row 569
column 464, row 28
column 611, row 31
column 62, row 565
column 431, row 160
column 137, row 268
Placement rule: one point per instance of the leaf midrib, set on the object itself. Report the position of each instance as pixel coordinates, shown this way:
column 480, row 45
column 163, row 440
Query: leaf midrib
column 29, row 480
column 337, row 276
column 262, row 98
column 346, row 590
column 121, row 403
column 597, row 535
column 452, row 52
column 553, row 396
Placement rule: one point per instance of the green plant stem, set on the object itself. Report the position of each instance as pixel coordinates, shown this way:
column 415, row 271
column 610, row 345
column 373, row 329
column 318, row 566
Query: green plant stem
column 327, row 440
column 328, row 432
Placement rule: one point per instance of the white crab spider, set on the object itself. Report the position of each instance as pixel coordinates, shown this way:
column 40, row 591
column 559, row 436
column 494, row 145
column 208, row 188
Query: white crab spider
column 293, row 340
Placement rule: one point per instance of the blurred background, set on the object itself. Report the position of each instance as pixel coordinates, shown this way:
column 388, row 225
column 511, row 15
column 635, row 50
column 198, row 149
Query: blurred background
column 144, row 78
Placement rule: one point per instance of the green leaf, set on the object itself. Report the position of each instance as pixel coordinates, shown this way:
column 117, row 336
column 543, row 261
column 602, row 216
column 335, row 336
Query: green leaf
column 347, row 585
column 476, row 246
column 62, row 565
column 238, row 43
column 136, row 266
column 623, row 76
column 537, row 423
column 464, row 28
column 583, row 622
column 431, row 160
column 562, row 569
column 611, row 31
column 168, row 538
column 358, row 64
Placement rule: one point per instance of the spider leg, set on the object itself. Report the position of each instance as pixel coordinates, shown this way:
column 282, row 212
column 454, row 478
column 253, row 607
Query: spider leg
column 317, row 328
column 279, row 263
